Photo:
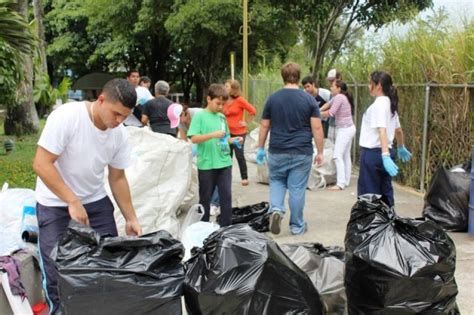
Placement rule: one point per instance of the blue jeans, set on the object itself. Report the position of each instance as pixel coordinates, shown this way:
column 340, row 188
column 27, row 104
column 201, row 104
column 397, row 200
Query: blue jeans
column 215, row 200
column 289, row 171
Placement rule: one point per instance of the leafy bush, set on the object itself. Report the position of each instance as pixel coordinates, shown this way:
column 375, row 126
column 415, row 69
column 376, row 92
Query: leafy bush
column 45, row 95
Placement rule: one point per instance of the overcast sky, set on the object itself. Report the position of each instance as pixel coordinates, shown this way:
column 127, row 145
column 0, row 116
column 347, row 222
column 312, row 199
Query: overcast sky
column 456, row 9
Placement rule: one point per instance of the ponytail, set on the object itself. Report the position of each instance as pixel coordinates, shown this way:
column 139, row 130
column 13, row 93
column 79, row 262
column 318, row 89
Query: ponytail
column 344, row 90
column 385, row 80
column 393, row 96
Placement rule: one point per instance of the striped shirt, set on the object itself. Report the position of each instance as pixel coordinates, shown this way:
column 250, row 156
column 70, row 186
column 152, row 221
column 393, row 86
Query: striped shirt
column 341, row 110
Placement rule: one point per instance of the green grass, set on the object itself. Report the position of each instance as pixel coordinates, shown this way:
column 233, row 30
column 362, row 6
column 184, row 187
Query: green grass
column 15, row 167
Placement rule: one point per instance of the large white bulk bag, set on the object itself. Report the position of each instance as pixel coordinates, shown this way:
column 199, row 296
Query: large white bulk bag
column 159, row 179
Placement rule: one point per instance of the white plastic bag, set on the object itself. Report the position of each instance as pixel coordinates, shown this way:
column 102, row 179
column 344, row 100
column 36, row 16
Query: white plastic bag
column 250, row 146
column 326, row 174
column 195, row 234
column 12, row 202
column 195, row 214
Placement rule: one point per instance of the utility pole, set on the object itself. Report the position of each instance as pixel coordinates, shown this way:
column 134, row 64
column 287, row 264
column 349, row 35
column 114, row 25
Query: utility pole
column 245, row 51
column 232, row 65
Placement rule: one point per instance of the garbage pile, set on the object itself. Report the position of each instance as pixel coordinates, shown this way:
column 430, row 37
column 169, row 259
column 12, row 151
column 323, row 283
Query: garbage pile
column 447, row 199
column 119, row 275
column 320, row 176
column 397, row 265
column 255, row 215
column 241, row 271
column 325, row 267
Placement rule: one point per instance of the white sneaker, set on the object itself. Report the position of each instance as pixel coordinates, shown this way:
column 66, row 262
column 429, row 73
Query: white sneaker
column 215, row 210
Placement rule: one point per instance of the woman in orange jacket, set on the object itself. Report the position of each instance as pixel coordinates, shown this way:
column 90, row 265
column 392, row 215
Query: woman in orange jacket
column 234, row 112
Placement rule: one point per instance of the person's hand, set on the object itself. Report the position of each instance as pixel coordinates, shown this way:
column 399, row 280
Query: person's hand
column 242, row 123
column 237, row 141
column 319, row 159
column 403, row 154
column 133, row 228
column 77, row 212
column 194, row 150
column 261, row 156
column 389, row 165
column 218, row 134
column 224, row 142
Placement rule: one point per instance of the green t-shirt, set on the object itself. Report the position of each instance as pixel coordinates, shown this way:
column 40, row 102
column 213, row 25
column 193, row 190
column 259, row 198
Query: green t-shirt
column 211, row 154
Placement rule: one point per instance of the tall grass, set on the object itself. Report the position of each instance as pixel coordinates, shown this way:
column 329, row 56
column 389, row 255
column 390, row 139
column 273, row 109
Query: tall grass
column 434, row 52
column 431, row 52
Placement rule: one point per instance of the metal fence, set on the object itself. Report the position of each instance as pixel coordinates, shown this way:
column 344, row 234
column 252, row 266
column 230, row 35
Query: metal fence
column 437, row 120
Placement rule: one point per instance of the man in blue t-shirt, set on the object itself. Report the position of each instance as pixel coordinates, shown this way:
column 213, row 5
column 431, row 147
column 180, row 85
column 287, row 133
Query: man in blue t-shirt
column 292, row 117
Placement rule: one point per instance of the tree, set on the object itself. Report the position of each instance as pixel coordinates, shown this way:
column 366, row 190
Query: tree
column 70, row 45
column 39, row 16
column 110, row 35
column 329, row 25
column 16, row 36
column 207, row 31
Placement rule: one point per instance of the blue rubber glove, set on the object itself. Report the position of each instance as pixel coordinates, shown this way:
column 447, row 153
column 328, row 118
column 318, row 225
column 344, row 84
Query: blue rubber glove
column 237, row 143
column 403, row 154
column 194, row 149
column 389, row 165
column 261, row 156
column 141, row 101
column 224, row 142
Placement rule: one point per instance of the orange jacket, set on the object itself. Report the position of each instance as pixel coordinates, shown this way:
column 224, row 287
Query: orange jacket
column 234, row 112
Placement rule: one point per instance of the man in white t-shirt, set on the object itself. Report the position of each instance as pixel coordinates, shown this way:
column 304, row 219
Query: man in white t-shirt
column 143, row 96
column 79, row 140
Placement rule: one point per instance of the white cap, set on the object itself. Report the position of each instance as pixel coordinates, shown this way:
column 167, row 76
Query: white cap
column 332, row 74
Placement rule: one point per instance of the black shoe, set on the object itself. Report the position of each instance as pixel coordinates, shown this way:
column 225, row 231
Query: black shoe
column 275, row 222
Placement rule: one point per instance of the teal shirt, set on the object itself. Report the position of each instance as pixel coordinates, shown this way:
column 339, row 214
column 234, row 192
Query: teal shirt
column 211, row 154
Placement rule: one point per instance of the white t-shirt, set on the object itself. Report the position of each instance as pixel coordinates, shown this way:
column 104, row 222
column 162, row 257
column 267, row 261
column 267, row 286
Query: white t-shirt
column 143, row 96
column 325, row 94
column 84, row 151
column 378, row 115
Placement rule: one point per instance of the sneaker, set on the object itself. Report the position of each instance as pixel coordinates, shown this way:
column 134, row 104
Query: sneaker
column 215, row 210
column 302, row 232
column 275, row 222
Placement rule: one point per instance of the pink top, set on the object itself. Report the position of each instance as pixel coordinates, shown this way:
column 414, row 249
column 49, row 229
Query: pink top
column 341, row 110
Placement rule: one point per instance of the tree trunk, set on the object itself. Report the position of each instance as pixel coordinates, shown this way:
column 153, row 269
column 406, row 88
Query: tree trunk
column 39, row 15
column 22, row 117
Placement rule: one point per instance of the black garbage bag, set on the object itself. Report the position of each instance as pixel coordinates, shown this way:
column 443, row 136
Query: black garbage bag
column 241, row 271
column 397, row 265
column 119, row 275
column 325, row 268
column 261, row 223
column 247, row 213
column 447, row 199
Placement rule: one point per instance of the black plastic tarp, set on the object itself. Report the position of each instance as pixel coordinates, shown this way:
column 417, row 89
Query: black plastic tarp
column 119, row 275
column 397, row 265
column 241, row 271
column 325, row 268
column 447, row 199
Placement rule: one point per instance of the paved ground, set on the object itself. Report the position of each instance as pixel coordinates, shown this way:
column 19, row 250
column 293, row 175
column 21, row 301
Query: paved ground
column 327, row 214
